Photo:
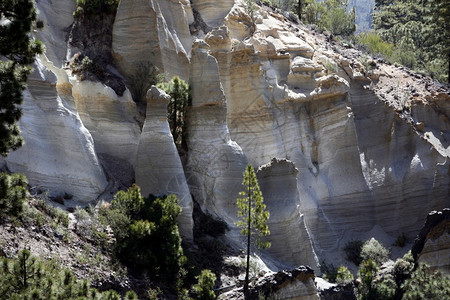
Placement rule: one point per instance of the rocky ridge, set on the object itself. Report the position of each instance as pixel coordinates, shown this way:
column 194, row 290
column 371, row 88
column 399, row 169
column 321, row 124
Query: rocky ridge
column 359, row 144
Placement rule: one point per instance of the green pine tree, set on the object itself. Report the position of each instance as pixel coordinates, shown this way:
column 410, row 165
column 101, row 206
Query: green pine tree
column 17, row 52
column 178, row 90
column 253, row 217
column 205, row 285
column 420, row 32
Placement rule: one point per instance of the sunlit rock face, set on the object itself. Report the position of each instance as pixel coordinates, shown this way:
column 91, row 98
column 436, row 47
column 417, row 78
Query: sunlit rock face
column 110, row 119
column 215, row 162
column 158, row 166
column 213, row 12
column 59, row 154
column 153, row 31
column 281, row 92
column 57, row 17
column 278, row 183
column 359, row 163
column 401, row 171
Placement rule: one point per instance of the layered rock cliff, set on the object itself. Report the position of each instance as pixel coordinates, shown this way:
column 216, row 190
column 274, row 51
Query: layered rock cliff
column 343, row 148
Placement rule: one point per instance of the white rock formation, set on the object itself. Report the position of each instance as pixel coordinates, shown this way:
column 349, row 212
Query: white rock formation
column 111, row 119
column 213, row 12
column 58, row 154
column 154, row 31
column 282, row 92
column 215, row 162
column 278, row 183
column 57, row 17
column 158, row 168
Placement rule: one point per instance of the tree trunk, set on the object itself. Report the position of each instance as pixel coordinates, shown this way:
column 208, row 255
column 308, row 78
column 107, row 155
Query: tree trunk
column 448, row 74
column 299, row 10
column 247, row 269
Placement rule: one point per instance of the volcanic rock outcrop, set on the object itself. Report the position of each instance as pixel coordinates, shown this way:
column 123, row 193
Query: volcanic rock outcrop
column 368, row 147
column 432, row 245
column 215, row 162
column 153, row 31
column 59, row 153
column 158, row 168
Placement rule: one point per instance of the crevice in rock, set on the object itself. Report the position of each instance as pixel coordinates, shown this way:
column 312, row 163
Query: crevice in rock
column 198, row 24
column 91, row 37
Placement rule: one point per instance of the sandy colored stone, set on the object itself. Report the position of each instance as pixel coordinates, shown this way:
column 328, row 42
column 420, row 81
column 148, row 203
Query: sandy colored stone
column 158, row 168
column 152, row 31
column 110, row 119
column 213, row 12
column 59, row 154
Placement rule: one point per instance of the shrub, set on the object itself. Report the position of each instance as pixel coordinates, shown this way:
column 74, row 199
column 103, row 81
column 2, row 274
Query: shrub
column 12, row 194
column 95, row 7
column 339, row 22
column 29, row 277
column 146, row 232
column 426, row 284
column 40, row 24
column 144, row 76
column 329, row 272
column 353, row 252
column 400, row 241
column 403, row 268
column 383, row 290
column 205, row 285
column 367, row 272
column 373, row 44
column 343, row 275
column 251, row 10
column 373, row 250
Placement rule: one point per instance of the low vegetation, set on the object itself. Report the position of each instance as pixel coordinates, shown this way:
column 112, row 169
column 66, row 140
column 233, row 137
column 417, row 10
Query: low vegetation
column 95, row 7
column 29, row 277
column 145, row 75
column 12, row 194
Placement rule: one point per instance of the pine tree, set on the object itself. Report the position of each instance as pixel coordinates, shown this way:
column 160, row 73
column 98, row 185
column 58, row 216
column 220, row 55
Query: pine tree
column 253, row 217
column 420, row 32
column 17, row 52
column 178, row 90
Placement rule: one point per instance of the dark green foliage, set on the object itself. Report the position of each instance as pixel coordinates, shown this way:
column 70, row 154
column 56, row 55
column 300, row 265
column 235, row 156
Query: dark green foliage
column 400, row 241
column 12, row 194
column 420, row 32
column 178, row 90
column 330, row 14
column 343, row 275
column 402, row 282
column 367, row 272
column 144, row 76
column 373, row 44
column 373, row 250
column 40, row 24
column 252, row 216
column 329, row 272
column 353, row 252
column 95, row 7
column 146, row 232
column 403, row 268
column 205, row 284
column 28, row 277
column 426, row 284
column 17, row 52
